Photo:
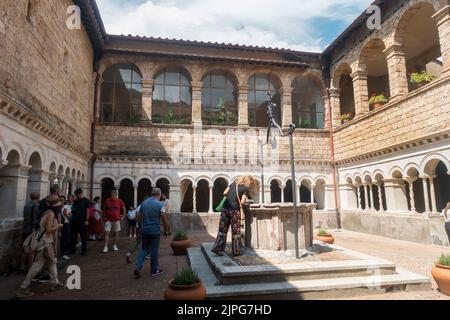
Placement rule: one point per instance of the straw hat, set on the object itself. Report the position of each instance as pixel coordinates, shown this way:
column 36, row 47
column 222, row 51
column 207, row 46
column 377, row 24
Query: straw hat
column 54, row 201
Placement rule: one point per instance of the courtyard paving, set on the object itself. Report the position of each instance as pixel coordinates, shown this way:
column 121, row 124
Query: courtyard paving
column 108, row 276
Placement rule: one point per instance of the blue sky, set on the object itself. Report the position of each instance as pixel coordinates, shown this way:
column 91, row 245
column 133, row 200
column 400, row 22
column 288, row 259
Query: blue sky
column 308, row 25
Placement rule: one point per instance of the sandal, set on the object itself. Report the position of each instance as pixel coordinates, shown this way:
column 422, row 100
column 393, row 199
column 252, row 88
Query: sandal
column 220, row 254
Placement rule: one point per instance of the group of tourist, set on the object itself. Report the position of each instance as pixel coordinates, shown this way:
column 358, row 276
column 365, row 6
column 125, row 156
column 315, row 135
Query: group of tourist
column 56, row 223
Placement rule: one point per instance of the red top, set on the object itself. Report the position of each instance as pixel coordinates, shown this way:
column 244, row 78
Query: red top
column 113, row 208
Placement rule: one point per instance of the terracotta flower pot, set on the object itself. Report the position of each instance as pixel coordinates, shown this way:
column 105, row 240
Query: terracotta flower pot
column 325, row 238
column 193, row 292
column 441, row 275
column 180, row 247
column 378, row 105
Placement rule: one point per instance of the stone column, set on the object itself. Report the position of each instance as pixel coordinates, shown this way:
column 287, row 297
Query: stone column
column 380, row 195
column 175, row 197
column 425, row 194
column 372, row 206
column 358, row 195
column 98, row 99
column 442, row 18
column 329, row 197
column 13, row 190
column 313, row 186
column 211, row 209
column 433, row 195
column 395, row 195
column 282, row 193
column 398, row 81
column 286, row 102
column 135, row 196
column 412, row 203
column 327, row 107
column 361, row 92
column 194, row 199
column 60, row 181
column 335, row 101
column 267, row 194
column 243, row 106
column 298, row 194
column 147, row 99
column 366, row 196
column 196, row 102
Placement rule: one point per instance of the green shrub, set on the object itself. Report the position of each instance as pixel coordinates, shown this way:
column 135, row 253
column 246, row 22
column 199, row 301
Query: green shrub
column 323, row 232
column 378, row 99
column 346, row 116
column 445, row 260
column 186, row 277
column 180, row 235
column 421, row 77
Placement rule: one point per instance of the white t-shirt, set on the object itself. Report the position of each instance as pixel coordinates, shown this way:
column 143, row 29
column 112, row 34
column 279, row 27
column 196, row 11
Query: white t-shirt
column 68, row 209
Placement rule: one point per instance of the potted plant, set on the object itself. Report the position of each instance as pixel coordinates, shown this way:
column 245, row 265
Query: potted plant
column 419, row 79
column 377, row 101
column 324, row 236
column 346, row 118
column 186, row 285
column 441, row 273
column 180, row 243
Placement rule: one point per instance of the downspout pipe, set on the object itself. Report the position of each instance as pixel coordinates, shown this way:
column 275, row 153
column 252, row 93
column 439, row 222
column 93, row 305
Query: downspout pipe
column 94, row 121
column 335, row 187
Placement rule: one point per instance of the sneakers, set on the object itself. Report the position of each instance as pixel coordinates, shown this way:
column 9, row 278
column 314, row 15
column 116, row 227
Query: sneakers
column 137, row 274
column 24, row 293
column 66, row 257
column 128, row 257
column 44, row 278
column 105, row 249
column 148, row 257
column 115, row 248
column 157, row 273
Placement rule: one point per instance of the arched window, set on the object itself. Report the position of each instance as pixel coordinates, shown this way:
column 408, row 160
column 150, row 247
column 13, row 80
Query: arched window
column 121, row 94
column 307, row 104
column 172, row 99
column 258, row 87
column 219, row 99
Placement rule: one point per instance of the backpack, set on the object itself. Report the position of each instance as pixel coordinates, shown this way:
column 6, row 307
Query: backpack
column 132, row 215
column 34, row 242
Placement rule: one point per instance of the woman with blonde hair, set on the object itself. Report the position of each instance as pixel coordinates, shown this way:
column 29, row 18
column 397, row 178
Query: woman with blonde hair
column 237, row 194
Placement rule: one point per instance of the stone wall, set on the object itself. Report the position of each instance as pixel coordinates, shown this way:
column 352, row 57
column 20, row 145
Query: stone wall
column 46, row 66
column 420, row 114
column 164, row 142
column 415, row 228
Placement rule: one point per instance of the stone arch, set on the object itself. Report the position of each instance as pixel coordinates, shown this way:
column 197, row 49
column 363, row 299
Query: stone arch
column 429, row 163
column 418, row 35
column 412, row 168
column 263, row 70
column 3, row 151
column 205, row 178
column 223, row 176
column 215, row 68
column 126, row 176
column 275, row 190
column 172, row 65
column 37, row 149
column 323, row 178
column 313, row 75
column 396, row 172
column 60, row 170
column 373, row 60
column 341, row 69
column 19, row 149
column 145, row 176
column 107, row 176
column 202, row 194
column 190, row 178
column 319, row 192
column 187, row 192
column 108, row 184
column 164, row 176
column 109, row 62
column 13, row 186
column 126, row 191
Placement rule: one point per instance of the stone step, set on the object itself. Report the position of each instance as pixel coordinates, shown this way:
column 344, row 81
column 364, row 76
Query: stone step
column 335, row 288
column 229, row 272
column 325, row 288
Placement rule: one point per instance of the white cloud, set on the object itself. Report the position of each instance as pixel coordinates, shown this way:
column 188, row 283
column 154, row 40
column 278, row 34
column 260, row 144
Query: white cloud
column 290, row 24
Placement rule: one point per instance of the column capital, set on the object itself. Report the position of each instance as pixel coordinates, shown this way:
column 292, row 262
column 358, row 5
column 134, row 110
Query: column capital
column 335, row 92
column 424, row 176
column 286, row 91
column 410, row 180
column 359, row 74
column 196, row 85
column 242, row 89
column 442, row 15
column 147, row 83
column 394, row 50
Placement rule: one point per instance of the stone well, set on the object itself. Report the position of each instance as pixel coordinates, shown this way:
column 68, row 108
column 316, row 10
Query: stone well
column 272, row 226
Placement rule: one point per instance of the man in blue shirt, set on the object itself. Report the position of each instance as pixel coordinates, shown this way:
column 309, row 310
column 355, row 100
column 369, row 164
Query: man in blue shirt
column 149, row 219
